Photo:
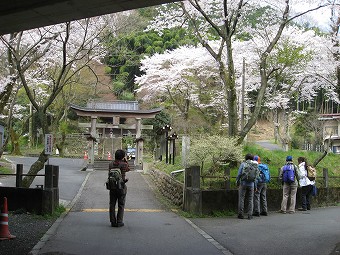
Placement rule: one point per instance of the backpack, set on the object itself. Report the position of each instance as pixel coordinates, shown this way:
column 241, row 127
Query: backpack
column 115, row 180
column 288, row 173
column 264, row 173
column 311, row 173
column 249, row 171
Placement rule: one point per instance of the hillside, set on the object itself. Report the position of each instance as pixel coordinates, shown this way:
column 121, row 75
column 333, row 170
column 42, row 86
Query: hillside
column 262, row 130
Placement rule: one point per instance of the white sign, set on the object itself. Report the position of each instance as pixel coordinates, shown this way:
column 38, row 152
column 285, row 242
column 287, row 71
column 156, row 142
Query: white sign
column 48, row 144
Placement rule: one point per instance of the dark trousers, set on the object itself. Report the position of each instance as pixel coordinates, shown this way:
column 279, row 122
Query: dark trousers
column 117, row 196
column 243, row 192
column 260, row 198
column 306, row 193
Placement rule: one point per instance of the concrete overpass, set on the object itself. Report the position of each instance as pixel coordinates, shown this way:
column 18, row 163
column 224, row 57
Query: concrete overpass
column 19, row 15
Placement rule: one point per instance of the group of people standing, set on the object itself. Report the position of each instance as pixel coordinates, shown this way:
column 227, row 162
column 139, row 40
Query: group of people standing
column 290, row 187
column 252, row 179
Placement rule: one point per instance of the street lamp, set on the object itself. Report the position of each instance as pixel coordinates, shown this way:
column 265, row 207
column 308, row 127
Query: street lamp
column 166, row 129
column 172, row 138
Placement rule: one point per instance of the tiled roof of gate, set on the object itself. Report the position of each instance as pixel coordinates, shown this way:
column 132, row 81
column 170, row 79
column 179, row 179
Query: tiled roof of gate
column 114, row 105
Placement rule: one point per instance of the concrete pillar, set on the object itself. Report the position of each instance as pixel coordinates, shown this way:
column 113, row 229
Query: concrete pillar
column 51, row 197
column 192, row 193
column 139, row 145
column 55, row 182
column 48, row 177
column 185, row 150
column 18, row 180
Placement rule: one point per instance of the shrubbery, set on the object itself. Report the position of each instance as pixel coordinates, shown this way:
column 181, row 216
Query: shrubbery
column 210, row 152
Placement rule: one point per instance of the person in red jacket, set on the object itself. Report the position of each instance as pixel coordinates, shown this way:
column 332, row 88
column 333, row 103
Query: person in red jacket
column 120, row 161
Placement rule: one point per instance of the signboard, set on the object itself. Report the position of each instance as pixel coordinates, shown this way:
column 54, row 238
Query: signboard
column 48, row 144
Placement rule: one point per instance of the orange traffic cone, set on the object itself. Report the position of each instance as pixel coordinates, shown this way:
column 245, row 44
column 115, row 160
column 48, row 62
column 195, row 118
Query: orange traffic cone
column 85, row 155
column 109, row 156
column 4, row 232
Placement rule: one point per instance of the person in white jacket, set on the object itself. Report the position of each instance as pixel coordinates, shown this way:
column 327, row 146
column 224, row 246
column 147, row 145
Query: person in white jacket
column 305, row 184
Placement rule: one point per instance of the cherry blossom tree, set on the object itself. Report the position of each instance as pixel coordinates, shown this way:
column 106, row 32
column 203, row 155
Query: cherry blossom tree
column 227, row 21
column 188, row 76
column 45, row 60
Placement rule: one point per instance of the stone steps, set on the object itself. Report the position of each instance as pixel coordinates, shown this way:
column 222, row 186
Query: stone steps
column 103, row 165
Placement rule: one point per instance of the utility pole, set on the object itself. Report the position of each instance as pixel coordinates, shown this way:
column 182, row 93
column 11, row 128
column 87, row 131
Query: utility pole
column 242, row 93
column 30, row 127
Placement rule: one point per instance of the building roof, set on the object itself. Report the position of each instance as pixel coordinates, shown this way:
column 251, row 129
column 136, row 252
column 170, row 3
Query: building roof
column 114, row 105
column 125, row 109
column 330, row 116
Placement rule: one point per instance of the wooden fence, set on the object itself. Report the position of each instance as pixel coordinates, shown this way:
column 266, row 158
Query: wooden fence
column 227, row 181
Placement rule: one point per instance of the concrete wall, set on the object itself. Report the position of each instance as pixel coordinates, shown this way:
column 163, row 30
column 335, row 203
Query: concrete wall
column 199, row 201
column 36, row 201
column 222, row 200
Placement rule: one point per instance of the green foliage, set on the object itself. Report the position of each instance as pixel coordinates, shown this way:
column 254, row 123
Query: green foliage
column 161, row 119
column 128, row 141
column 276, row 159
column 66, row 128
column 126, row 50
column 168, row 168
column 253, row 17
column 306, row 128
column 5, row 170
column 56, row 214
column 107, row 69
column 210, row 152
column 129, row 96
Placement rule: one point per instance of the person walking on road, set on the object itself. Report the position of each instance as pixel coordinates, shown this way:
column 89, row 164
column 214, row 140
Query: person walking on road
column 305, row 184
column 260, row 195
column 116, row 194
column 246, row 179
column 288, row 176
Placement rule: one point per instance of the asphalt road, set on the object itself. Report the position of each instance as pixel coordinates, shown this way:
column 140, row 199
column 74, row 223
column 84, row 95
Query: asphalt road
column 70, row 175
column 150, row 228
column 269, row 145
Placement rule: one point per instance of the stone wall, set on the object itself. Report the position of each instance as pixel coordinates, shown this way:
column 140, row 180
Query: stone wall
column 168, row 186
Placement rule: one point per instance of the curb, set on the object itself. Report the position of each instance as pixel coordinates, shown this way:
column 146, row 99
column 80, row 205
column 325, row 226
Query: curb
column 53, row 229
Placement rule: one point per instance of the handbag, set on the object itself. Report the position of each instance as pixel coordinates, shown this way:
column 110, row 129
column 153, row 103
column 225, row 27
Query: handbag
column 314, row 191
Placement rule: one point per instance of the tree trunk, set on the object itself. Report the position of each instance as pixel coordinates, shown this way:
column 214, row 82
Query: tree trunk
column 318, row 160
column 60, row 146
column 276, row 125
column 35, row 168
column 15, row 142
column 231, row 92
column 39, row 164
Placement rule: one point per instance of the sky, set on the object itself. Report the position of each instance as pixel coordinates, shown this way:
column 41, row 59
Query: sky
column 320, row 18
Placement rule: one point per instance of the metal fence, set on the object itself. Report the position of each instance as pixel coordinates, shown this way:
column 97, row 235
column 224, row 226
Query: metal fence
column 313, row 147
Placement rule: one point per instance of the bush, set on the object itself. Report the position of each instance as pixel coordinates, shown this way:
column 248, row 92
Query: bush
column 212, row 151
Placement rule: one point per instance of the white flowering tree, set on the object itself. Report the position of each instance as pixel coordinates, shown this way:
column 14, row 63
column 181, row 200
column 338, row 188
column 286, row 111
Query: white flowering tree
column 209, row 152
column 46, row 60
column 226, row 21
column 188, row 76
column 301, row 66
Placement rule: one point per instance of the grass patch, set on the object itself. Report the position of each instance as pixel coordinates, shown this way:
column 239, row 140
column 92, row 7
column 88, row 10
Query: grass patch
column 5, row 170
column 56, row 214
